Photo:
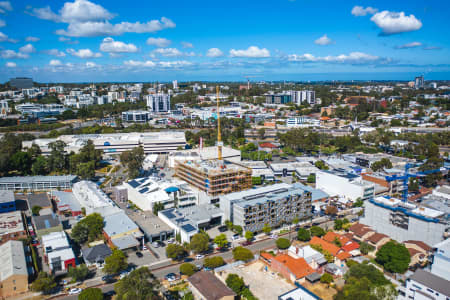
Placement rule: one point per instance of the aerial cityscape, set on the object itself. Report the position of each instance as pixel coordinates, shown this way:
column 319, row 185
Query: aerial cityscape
column 285, row 150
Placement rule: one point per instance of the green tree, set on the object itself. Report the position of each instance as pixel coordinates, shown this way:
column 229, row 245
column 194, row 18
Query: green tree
column 267, row 229
column 358, row 203
column 89, row 228
column 238, row 229
column 235, row 283
column 241, row 253
column 365, row 248
column 317, row 231
column 79, row 273
column 44, row 283
column 188, row 269
column 303, row 234
column 311, row 178
column 214, row 262
column 57, row 160
column 133, row 160
column 91, row 294
column 221, row 240
column 115, row 263
column 283, row 243
column 261, row 133
column 326, row 278
column 175, row 251
column 394, row 257
column 321, row 165
column 413, row 185
column 158, row 206
column 199, row 243
column 140, row 284
column 40, row 166
column 249, row 235
column 35, row 210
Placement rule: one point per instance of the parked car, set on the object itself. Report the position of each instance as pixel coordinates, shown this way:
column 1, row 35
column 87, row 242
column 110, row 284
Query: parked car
column 171, row 241
column 246, row 243
column 75, row 291
column 188, row 259
column 235, row 237
column 223, row 228
column 110, row 293
column 199, row 256
column 155, row 244
column 273, row 236
column 139, row 254
column 170, row 277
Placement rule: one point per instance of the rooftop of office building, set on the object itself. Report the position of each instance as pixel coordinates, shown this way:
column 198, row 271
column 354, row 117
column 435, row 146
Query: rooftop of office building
column 215, row 167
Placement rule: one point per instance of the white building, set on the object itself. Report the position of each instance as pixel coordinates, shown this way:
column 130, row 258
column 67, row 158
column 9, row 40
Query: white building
column 146, row 192
column 302, row 121
column 351, row 186
column 58, row 252
column 158, row 102
column 93, row 199
column 299, row 97
column 441, row 259
column 424, row 285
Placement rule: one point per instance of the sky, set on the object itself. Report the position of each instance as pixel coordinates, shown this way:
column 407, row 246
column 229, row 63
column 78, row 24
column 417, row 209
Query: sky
column 157, row 40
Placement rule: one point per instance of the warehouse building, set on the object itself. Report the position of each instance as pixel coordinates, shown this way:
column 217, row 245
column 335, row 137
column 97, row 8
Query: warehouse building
column 13, row 269
column 37, row 183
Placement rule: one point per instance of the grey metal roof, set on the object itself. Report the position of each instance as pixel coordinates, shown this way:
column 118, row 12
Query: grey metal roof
column 67, row 198
column 432, row 281
column 316, row 194
column 118, row 223
column 6, row 196
column 35, row 179
column 46, row 221
column 41, row 199
column 125, row 242
column 12, row 257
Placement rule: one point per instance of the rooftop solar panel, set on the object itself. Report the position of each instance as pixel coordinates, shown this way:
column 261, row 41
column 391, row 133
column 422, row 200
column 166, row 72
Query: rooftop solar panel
column 188, row 228
column 143, row 190
column 169, row 214
column 133, row 183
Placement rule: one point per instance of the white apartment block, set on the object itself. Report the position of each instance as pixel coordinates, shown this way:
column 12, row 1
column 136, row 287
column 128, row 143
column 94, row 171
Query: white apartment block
column 158, row 102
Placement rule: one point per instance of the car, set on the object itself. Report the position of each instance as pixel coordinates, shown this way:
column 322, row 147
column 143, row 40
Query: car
column 188, row 259
column 246, row 243
column 155, row 244
column 171, row 241
column 273, row 236
column 139, row 254
column 123, row 275
column 223, row 228
column 144, row 248
column 75, row 291
column 199, row 256
column 110, row 293
column 170, row 277
column 235, row 237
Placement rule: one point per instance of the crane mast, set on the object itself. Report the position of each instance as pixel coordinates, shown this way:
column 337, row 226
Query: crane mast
column 219, row 135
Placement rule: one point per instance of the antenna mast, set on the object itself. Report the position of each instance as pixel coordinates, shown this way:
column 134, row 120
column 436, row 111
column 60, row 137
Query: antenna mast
column 219, row 135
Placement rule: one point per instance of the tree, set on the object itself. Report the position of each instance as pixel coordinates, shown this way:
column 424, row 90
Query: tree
column 365, row 248
column 79, row 273
column 381, row 164
column 238, row 229
column 57, row 160
column 133, row 160
column 188, row 269
column 89, row 228
column 303, row 234
column 321, row 165
column 158, row 206
column 413, row 185
column 283, row 243
column 241, row 253
column 394, row 257
column 261, row 133
column 249, row 235
column 44, row 283
column 35, row 210
column 199, row 243
column 40, row 166
column 235, row 283
column 140, row 284
column 221, row 240
column 317, row 231
column 311, row 178
column 214, row 262
column 91, row 294
column 339, row 223
column 115, row 263
column 326, row 278
column 175, row 251
column 358, row 203
column 267, row 229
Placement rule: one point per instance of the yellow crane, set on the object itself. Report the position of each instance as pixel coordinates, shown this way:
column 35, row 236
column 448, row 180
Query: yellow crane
column 219, row 135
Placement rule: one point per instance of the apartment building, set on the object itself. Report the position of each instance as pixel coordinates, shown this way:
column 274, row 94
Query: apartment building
column 273, row 205
column 158, row 102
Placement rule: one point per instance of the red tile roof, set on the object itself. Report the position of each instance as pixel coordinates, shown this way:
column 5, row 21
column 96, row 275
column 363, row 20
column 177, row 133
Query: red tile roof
column 267, row 145
column 331, row 248
column 360, row 229
column 266, row 255
column 298, row 266
column 331, row 236
column 376, row 237
column 420, row 244
column 350, row 246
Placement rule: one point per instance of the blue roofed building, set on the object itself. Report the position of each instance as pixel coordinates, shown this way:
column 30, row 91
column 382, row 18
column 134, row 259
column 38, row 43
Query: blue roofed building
column 7, row 201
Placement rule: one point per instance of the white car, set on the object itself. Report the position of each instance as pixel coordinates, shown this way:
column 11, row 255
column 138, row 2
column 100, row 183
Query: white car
column 144, row 248
column 123, row 275
column 75, row 291
column 155, row 244
column 170, row 241
column 199, row 256
column 273, row 236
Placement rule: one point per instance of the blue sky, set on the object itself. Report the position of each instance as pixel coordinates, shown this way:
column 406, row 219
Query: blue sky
column 85, row 41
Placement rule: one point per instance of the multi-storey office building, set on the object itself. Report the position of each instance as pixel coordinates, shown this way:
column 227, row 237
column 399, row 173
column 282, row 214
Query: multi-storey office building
column 137, row 116
column 278, row 98
column 37, row 183
column 158, row 102
column 273, row 205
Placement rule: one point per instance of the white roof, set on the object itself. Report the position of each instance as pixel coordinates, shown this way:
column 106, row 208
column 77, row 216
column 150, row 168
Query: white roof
column 63, row 254
column 11, row 222
column 427, row 212
column 12, row 257
column 55, row 240
column 387, row 201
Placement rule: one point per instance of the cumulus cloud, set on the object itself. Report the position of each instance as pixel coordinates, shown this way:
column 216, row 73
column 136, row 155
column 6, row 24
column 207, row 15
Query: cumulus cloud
column 32, row 39
column 158, row 42
column 54, row 52
column 55, row 63
column 90, row 64
column 175, row 64
column 187, row 45
column 11, row 64
column 110, row 45
column 87, row 19
column 214, row 52
column 13, row 54
column 352, row 58
column 135, row 63
column 27, row 49
column 395, row 22
column 161, row 64
column 84, row 53
column 5, row 6
column 170, row 52
column 67, row 40
column 360, row 11
column 252, row 51
column 5, row 38
column 409, row 45
column 323, row 40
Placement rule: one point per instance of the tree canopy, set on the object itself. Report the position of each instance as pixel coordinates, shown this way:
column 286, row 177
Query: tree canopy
column 188, row 269
column 394, row 257
column 44, row 283
column 283, row 243
column 91, row 294
column 199, row 242
column 133, row 160
column 317, row 231
column 88, row 229
column 303, row 234
column 241, row 253
column 175, row 251
column 116, row 262
column 140, row 284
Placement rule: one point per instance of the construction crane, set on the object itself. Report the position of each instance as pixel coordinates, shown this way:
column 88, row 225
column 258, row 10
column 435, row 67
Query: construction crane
column 405, row 177
column 248, row 81
column 219, row 135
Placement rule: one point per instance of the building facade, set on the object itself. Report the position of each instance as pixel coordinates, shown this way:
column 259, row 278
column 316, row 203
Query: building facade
column 158, row 102
column 37, row 183
column 13, row 269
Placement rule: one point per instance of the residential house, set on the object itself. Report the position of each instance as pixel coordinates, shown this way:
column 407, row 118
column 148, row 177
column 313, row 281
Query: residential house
column 339, row 254
column 293, row 269
column 95, row 254
column 314, row 258
column 347, row 244
column 377, row 240
column 334, row 269
column 361, row 231
column 300, row 293
column 57, row 252
column 426, row 285
column 206, row 286
column 13, row 269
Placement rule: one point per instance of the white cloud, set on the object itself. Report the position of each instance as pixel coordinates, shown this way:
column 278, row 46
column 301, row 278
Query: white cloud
column 167, row 52
column 55, row 52
column 110, row 45
column 352, row 58
column 214, row 52
column 2, row 23
column 158, row 42
column 409, row 45
column 252, row 51
column 323, row 40
column 360, row 11
column 135, row 63
column 84, row 53
column 11, row 64
column 395, row 22
column 187, row 45
column 67, row 40
column 174, row 64
column 89, row 29
column 32, row 39
column 55, row 63
column 13, row 54
column 5, row 38
column 45, row 13
column 5, row 6
column 83, row 11
column 90, row 64
column 28, row 48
